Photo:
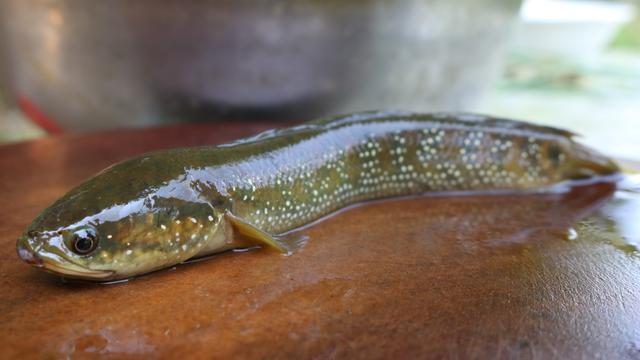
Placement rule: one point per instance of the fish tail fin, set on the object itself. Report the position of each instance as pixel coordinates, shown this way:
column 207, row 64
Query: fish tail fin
column 587, row 162
column 628, row 167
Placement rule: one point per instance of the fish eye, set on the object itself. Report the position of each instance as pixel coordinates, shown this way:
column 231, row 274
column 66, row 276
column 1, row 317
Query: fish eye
column 84, row 242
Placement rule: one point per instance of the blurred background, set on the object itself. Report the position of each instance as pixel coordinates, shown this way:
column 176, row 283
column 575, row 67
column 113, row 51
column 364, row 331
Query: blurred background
column 71, row 65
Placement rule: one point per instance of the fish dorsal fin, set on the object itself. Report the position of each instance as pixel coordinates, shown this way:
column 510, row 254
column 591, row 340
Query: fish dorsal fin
column 318, row 125
column 501, row 123
column 272, row 133
column 445, row 118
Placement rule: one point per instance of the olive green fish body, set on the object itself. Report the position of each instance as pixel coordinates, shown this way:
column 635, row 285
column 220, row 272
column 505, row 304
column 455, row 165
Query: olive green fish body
column 164, row 208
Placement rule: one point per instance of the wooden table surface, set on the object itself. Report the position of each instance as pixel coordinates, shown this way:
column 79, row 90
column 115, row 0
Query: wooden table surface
column 458, row 277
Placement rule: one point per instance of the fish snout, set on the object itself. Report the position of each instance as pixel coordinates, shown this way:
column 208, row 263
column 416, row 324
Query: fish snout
column 26, row 253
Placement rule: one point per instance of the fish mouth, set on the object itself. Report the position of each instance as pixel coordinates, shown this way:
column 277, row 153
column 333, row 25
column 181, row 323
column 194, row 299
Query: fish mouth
column 28, row 255
column 76, row 271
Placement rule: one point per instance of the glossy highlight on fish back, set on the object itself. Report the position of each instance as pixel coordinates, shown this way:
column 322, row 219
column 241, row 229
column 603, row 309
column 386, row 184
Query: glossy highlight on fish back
column 163, row 208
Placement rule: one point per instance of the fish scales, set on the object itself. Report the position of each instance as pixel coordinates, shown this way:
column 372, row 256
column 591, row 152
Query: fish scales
column 337, row 166
column 367, row 161
column 164, row 208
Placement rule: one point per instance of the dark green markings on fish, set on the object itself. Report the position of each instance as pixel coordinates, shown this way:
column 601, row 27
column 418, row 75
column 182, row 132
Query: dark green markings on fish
column 164, row 208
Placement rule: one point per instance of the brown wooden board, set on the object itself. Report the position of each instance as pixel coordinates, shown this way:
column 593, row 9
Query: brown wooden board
column 430, row 277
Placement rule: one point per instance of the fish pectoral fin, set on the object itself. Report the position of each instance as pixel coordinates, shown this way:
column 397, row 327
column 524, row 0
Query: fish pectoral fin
column 287, row 244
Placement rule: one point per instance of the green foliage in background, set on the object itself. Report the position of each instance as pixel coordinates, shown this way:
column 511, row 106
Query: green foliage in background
column 629, row 35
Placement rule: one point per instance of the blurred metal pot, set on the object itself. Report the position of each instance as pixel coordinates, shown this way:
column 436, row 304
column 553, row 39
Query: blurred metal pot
column 99, row 64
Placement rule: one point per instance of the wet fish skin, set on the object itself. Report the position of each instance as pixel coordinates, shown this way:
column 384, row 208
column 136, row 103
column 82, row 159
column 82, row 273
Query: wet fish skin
column 163, row 208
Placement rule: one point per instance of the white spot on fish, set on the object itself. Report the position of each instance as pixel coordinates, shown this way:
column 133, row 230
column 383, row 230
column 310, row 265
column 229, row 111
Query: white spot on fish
column 193, row 220
column 109, row 236
column 210, row 218
column 163, row 227
column 129, row 252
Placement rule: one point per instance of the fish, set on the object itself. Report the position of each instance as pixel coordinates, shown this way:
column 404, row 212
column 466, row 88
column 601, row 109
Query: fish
column 164, row 208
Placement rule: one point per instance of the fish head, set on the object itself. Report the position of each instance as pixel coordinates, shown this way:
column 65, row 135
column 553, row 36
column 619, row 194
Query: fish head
column 116, row 225
column 117, row 248
column 67, row 251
